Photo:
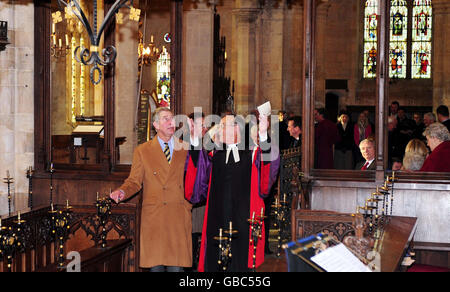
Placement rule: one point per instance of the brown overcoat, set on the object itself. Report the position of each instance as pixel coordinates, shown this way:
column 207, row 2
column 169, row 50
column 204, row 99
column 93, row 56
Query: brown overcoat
column 166, row 224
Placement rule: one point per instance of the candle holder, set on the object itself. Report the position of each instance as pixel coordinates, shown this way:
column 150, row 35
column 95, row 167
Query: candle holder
column 8, row 180
column 60, row 229
column 256, row 225
column 8, row 245
column 391, row 180
column 11, row 241
column 281, row 210
column 375, row 219
column 52, row 170
column 30, row 173
column 59, row 51
column 225, row 254
column 359, row 244
column 103, row 212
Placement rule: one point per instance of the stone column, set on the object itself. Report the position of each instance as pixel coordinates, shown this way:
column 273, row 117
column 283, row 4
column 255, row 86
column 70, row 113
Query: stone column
column 17, row 101
column 126, row 87
column 440, row 61
column 270, row 65
column 293, row 59
column 245, row 54
column 198, row 36
column 321, row 52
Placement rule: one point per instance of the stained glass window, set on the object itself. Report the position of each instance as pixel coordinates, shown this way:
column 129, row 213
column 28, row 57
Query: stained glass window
column 370, row 38
column 163, row 81
column 402, row 21
column 399, row 37
column 421, row 39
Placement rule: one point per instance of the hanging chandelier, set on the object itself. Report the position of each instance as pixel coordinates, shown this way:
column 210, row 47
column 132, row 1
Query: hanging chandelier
column 147, row 54
column 92, row 56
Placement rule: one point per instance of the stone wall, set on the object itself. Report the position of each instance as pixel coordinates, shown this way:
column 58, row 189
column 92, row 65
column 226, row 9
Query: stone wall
column 16, row 101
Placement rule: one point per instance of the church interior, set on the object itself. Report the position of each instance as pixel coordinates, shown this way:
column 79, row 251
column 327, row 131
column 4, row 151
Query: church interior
column 80, row 81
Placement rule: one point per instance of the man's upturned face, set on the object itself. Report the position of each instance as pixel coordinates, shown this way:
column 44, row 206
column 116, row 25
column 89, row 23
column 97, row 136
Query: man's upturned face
column 367, row 150
column 166, row 124
column 229, row 133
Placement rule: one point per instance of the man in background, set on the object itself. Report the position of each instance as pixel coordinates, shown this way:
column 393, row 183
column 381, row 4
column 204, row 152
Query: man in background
column 443, row 116
column 295, row 130
column 367, row 148
column 326, row 135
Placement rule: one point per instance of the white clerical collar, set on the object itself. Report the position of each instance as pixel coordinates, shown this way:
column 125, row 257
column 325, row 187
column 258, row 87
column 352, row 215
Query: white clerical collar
column 233, row 148
column 195, row 141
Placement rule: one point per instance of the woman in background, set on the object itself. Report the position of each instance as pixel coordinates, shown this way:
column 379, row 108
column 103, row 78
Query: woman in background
column 415, row 154
column 438, row 139
column 343, row 154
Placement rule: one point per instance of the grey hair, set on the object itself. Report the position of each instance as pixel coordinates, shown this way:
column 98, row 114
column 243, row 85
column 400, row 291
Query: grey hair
column 438, row 131
column 158, row 112
column 369, row 141
column 430, row 116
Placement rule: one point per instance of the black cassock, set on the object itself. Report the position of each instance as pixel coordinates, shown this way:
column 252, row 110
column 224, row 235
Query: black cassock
column 229, row 201
column 233, row 192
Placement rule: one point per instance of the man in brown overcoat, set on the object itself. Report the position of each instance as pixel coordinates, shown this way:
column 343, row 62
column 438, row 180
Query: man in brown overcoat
column 158, row 168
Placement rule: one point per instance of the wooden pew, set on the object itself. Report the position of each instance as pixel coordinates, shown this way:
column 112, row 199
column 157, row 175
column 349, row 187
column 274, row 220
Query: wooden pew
column 40, row 250
column 112, row 258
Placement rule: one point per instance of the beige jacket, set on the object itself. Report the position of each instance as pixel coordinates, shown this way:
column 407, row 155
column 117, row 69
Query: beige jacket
column 166, row 225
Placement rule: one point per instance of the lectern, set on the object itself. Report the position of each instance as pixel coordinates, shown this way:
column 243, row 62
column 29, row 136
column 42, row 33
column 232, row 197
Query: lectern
column 87, row 144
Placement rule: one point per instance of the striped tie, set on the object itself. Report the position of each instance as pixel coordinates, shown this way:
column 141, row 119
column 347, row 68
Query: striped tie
column 167, row 153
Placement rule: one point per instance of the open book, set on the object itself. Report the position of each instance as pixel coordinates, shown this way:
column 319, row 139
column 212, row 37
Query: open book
column 339, row 259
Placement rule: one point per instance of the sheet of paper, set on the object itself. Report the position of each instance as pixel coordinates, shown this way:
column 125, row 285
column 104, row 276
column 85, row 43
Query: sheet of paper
column 265, row 109
column 339, row 259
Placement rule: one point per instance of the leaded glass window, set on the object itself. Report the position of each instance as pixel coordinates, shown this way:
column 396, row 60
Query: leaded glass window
column 421, row 39
column 399, row 37
column 163, row 82
column 370, row 38
column 410, row 35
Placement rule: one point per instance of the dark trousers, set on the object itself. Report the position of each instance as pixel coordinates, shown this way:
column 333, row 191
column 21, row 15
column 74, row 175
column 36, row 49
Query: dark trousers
column 166, row 269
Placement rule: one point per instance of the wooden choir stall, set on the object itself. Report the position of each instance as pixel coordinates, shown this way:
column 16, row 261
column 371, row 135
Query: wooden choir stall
column 60, row 238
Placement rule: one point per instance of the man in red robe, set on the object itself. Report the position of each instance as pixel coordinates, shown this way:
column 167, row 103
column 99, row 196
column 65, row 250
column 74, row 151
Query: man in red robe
column 233, row 180
column 326, row 135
